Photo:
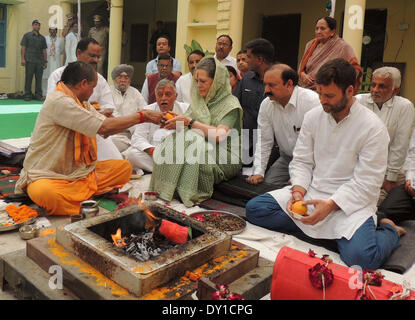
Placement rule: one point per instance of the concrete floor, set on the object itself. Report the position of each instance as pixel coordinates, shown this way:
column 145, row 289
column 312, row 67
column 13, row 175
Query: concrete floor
column 10, row 241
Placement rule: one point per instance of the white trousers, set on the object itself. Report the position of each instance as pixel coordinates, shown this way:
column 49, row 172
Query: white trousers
column 139, row 159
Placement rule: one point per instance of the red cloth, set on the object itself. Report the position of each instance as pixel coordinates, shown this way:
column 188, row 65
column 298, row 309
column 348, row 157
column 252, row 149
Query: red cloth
column 290, row 280
column 174, row 232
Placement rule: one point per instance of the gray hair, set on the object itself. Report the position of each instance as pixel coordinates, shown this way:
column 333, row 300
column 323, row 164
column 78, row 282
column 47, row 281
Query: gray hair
column 386, row 72
column 209, row 65
column 164, row 83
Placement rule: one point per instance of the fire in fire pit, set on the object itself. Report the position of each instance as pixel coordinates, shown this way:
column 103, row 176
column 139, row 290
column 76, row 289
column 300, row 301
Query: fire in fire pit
column 91, row 241
column 158, row 236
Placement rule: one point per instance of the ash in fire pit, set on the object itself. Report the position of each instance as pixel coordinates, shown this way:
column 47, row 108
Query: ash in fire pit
column 146, row 246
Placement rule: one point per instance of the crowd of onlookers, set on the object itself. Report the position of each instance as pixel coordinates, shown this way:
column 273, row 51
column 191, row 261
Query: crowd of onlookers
column 310, row 133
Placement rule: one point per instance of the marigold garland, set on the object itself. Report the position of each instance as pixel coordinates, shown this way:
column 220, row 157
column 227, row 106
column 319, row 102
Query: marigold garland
column 21, row 213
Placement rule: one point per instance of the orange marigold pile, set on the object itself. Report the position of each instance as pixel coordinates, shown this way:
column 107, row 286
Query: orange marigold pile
column 21, row 213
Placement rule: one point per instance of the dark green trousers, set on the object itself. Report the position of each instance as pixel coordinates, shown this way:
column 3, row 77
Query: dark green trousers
column 33, row 69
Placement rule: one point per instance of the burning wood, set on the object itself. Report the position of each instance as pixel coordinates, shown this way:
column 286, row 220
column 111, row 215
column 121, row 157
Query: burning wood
column 146, row 246
column 118, row 240
column 150, row 223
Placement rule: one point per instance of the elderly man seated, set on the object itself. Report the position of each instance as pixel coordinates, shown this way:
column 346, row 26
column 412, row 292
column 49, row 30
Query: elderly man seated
column 147, row 136
column 61, row 168
column 165, row 67
column 127, row 100
column 399, row 204
column 398, row 114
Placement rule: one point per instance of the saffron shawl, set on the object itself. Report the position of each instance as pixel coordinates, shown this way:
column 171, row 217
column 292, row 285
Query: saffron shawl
column 314, row 57
column 85, row 148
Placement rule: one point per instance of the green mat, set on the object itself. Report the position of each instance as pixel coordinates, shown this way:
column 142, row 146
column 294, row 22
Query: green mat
column 107, row 204
column 18, row 118
column 12, row 102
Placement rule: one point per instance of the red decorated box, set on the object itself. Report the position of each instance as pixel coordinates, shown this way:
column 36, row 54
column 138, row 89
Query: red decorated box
column 291, row 280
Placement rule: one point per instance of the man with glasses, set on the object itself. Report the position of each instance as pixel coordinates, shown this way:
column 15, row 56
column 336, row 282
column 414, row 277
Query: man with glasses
column 165, row 68
column 223, row 49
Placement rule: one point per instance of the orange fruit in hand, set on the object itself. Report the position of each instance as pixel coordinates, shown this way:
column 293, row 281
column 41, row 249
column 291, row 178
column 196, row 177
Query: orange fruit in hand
column 299, row 208
column 169, row 116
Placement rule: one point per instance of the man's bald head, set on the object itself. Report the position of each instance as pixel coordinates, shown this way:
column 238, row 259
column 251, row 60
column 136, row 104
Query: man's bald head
column 287, row 73
column 280, row 81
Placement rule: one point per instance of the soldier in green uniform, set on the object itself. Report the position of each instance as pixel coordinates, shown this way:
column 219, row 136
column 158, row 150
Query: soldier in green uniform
column 34, row 59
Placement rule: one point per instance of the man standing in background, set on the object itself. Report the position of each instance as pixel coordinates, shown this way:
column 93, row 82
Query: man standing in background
column 100, row 32
column 223, row 49
column 34, row 59
column 184, row 82
column 54, row 52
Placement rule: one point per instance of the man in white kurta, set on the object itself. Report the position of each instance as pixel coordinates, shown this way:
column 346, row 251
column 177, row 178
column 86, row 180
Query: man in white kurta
column 399, row 204
column 127, row 100
column 223, row 49
column 147, row 135
column 71, row 42
column 338, row 167
column 89, row 51
column 184, row 82
column 397, row 113
column 280, row 115
column 55, row 50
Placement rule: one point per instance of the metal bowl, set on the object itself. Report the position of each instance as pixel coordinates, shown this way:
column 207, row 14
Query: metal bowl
column 27, row 232
column 198, row 214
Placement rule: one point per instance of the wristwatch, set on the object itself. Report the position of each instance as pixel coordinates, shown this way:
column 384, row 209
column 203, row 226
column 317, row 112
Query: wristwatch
column 191, row 123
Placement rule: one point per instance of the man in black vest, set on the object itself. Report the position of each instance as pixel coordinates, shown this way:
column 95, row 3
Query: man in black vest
column 251, row 91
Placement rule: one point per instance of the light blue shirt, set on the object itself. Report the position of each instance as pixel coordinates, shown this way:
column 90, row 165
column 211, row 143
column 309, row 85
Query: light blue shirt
column 152, row 66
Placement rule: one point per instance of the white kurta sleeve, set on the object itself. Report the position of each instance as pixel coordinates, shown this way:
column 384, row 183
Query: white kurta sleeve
column 363, row 189
column 138, row 102
column 410, row 158
column 139, row 139
column 144, row 91
column 265, row 140
column 399, row 145
column 179, row 89
column 53, row 81
column 104, row 93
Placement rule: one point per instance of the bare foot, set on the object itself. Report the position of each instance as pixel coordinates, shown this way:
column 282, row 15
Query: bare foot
column 401, row 231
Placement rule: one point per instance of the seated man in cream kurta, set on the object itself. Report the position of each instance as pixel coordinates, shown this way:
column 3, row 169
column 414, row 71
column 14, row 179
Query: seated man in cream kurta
column 127, row 100
column 148, row 135
column 61, row 168
column 338, row 167
column 398, row 115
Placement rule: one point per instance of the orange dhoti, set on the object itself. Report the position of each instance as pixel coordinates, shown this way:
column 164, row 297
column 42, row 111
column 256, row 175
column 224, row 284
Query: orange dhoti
column 63, row 197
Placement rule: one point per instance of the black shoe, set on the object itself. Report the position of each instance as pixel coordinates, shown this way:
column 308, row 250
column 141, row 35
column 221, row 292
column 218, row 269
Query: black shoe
column 27, row 98
column 39, row 98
